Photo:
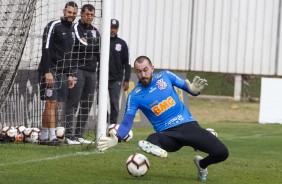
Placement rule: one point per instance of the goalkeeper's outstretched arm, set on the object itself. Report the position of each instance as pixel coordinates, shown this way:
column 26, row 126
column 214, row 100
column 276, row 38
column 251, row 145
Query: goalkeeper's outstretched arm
column 196, row 86
column 105, row 142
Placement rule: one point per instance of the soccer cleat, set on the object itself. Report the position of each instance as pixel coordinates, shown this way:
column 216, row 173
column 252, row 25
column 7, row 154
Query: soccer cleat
column 72, row 142
column 152, row 149
column 43, row 142
column 55, row 142
column 84, row 141
column 202, row 173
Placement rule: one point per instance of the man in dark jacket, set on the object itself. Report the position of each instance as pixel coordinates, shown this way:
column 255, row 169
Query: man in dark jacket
column 55, row 74
column 86, row 54
column 119, row 70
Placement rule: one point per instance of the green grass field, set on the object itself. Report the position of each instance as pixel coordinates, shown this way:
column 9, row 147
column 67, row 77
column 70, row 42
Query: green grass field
column 255, row 154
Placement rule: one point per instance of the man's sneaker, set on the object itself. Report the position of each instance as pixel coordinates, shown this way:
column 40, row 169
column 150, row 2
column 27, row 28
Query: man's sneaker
column 72, row 142
column 55, row 142
column 84, row 141
column 152, row 149
column 202, row 173
column 43, row 142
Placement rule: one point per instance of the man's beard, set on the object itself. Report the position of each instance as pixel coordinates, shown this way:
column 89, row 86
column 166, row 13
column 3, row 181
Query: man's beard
column 113, row 35
column 70, row 18
column 145, row 81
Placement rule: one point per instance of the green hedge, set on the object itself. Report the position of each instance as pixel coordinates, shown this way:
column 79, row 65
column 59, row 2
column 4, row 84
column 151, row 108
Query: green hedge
column 223, row 84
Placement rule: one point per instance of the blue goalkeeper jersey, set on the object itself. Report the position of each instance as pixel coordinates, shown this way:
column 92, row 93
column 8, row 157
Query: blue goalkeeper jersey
column 159, row 102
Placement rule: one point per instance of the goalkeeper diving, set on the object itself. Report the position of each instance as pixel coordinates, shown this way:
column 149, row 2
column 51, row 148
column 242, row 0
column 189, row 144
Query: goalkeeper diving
column 174, row 124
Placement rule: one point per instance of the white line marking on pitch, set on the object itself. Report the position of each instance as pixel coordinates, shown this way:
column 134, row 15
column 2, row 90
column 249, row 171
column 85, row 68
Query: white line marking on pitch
column 57, row 157
column 49, row 158
column 247, row 136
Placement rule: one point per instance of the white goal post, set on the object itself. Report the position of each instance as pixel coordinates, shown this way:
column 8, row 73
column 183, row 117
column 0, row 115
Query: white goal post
column 103, row 83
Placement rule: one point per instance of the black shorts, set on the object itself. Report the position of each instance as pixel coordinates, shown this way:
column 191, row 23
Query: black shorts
column 187, row 134
column 59, row 90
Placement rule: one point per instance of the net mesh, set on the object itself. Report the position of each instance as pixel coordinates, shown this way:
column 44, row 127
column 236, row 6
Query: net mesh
column 21, row 30
column 13, row 36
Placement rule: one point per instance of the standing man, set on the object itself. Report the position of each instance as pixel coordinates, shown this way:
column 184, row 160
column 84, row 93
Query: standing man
column 86, row 54
column 55, row 73
column 119, row 70
column 174, row 124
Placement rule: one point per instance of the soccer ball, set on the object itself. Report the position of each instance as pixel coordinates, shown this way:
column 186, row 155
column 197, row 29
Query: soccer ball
column 31, row 135
column 129, row 136
column 10, row 132
column 212, row 131
column 137, row 165
column 60, row 133
column 20, row 136
column 113, row 128
column 20, row 128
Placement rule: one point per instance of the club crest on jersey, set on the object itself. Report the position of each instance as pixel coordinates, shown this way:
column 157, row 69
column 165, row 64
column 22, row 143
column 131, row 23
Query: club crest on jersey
column 49, row 92
column 94, row 34
column 161, row 84
column 118, row 47
column 137, row 90
column 74, row 80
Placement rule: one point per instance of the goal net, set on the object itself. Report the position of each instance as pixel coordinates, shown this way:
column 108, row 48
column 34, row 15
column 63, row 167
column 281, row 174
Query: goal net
column 21, row 33
column 13, row 36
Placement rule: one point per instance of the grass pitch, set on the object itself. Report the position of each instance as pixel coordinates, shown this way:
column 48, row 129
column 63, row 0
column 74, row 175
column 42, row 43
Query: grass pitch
column 255, row 154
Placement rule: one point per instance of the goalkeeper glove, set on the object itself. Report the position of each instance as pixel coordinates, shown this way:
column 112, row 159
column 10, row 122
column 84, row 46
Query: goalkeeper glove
column 197, row 86
column 107, row 142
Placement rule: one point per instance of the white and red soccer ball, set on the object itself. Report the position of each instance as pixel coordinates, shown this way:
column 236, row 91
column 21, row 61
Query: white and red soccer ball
column 20, row 136
column 137, row 164
column 31, row 135
column 9, row 132
column 60, row 133
column 113, row 128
